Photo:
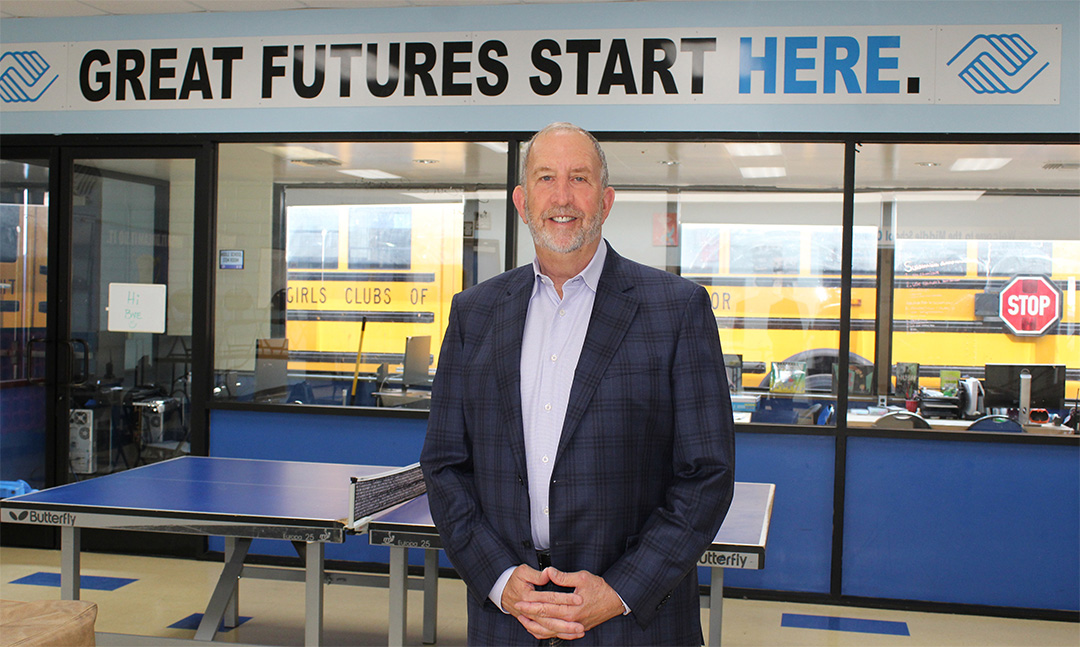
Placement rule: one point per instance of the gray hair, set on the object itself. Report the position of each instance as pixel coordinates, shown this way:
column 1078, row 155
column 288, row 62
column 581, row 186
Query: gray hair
column 564, row 126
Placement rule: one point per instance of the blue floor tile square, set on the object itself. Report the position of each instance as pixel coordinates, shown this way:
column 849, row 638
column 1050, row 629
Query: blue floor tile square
column 89, row 582
column 855, row 625
column 192, row 622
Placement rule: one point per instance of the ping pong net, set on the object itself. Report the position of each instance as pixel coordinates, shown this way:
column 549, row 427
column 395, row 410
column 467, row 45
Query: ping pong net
column 377, row 492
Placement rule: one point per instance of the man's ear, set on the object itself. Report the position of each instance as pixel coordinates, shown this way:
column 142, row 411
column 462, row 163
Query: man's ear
column 519, row 202
column 608, row 201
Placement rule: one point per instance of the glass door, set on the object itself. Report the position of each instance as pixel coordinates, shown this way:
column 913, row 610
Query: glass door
column 125, row 343
column 24, row 234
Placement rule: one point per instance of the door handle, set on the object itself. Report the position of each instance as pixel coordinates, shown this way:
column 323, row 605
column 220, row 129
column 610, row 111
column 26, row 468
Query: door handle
column 73, row 378
column 28, row 366
column 79, row 380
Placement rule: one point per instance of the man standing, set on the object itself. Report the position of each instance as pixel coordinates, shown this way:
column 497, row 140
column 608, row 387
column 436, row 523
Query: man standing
column 580, row 448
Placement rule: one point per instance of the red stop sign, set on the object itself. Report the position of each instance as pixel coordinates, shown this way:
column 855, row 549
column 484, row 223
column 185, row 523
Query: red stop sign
column 1029, row 305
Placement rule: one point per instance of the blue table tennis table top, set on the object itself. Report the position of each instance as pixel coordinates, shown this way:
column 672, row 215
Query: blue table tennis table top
column 190, row 490
column 745, row 528
column 223, row 488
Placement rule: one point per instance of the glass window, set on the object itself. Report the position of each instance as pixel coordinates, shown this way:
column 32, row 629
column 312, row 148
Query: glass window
column 759, row 226
column 380, row 237
column 986, row 245
column 351, row 255
column 24, row 260
column 311, row 238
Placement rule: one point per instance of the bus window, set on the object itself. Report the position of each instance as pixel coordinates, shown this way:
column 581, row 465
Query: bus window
column 765, row 250
column 9, row 233
column 931, row 257
column 825, row 257
column 312, row 242
column 380, row 237
column 1013, row 257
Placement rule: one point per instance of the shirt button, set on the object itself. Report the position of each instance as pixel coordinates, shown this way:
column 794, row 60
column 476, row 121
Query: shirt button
column 545, row 510
column 544, row 459
column 562, row 313
column 554, row 357
column 547, row 407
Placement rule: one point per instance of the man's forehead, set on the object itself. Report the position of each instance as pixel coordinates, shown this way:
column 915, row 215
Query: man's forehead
column 574, row 152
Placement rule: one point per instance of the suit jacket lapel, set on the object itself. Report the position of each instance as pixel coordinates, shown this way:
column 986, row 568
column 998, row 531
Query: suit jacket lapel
column 509, row 326
column 613, row 310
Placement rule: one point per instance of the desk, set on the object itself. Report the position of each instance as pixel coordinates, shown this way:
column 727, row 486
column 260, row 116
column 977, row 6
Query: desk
column 305, row 503
column 740, row 543
column 863, row 420
column 408, row 398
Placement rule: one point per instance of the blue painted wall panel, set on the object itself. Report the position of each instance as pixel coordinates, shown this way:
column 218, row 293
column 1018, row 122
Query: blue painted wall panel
column 22, row 434
column 963, row 522
column 799, row 551
column 319, row 438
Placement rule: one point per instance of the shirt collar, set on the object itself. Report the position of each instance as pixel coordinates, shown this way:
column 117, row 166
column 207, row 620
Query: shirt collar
column 591, row 273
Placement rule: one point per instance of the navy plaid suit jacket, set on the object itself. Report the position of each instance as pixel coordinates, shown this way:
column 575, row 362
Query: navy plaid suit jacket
column 645, row 467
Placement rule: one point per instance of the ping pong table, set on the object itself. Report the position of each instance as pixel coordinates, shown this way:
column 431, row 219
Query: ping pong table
column 306, row 504
column 740, row 543
column 238, row 499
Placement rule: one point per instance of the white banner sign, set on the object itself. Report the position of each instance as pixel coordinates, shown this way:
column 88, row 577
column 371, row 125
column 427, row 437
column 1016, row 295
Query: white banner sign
column 998, row 64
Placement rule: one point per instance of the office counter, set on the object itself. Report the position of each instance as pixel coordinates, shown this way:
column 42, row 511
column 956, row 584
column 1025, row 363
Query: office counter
column 867, row 420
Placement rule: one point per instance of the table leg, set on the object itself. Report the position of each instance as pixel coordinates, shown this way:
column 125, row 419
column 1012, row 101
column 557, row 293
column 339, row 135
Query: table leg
column 70, row 558
column 313, row 594
column 232, row 607
column 223, row 592
column 431, row 596
column 399, row 594
column 716, row 605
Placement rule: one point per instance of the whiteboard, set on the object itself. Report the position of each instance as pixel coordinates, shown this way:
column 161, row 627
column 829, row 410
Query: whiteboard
column 137, row 307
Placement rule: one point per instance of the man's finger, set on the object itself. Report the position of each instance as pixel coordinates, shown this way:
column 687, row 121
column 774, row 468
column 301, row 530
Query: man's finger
column 531, row 575
column 567, row 580
column 543, row 628
column 553, row 598
column 537, row 610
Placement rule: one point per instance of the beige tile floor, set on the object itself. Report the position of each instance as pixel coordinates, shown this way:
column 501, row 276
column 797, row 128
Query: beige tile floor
column 168, row 590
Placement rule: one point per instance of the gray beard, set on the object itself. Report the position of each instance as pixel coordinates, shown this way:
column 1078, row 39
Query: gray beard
column 586, row 235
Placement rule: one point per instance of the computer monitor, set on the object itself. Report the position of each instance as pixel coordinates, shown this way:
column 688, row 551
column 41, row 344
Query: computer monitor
column 417, row 360
column 1002, row 385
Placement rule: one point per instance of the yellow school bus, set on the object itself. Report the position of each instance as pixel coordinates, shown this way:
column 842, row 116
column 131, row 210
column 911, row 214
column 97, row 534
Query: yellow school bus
column 361, row 279
column 776, row 295
column 23, row 250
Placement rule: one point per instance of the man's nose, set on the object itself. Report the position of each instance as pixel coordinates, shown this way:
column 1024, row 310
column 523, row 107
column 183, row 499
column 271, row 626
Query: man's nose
column 562, row 191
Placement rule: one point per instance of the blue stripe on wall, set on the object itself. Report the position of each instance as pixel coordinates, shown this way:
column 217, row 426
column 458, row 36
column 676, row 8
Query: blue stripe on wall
column 856, row 625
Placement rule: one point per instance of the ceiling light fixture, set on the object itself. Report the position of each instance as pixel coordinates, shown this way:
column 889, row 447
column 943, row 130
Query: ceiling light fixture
column 300, row 154
column 752, row 149
column 758, row 172
column 979, row 163
column 423, row 161
column 370, row 174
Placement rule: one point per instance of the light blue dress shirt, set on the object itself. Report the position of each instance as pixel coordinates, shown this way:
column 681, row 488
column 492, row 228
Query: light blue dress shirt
column 550, row 347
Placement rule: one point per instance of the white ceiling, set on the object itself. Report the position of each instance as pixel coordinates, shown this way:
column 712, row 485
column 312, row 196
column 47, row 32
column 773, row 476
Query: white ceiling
column 82, row 8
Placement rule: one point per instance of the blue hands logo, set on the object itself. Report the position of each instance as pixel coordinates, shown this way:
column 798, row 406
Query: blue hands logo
column 22, row 77
column 997, row 64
